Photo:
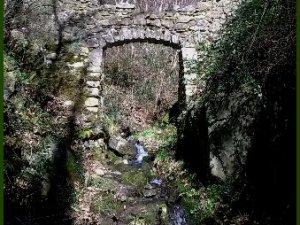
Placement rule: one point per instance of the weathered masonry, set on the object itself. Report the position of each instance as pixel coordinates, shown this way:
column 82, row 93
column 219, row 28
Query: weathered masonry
column 100, row 26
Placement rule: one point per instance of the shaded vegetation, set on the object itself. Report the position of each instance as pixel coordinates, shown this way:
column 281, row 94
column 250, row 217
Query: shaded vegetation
column 41, row 161
column 249, row 103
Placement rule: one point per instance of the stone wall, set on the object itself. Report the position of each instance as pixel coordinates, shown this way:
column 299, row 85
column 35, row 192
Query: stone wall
column 97, row 27
column 94, row 28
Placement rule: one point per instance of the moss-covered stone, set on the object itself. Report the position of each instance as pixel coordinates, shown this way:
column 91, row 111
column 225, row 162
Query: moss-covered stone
column 138, row 179
column 148, row 213
column 104, row 155
column 107, row 205
column 121, row 167
column 105, row 184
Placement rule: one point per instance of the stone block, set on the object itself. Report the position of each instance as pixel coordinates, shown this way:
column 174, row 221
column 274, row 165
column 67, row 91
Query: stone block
column 157, row 34
column 167, row 23
column 92, row 43
column 91, row 83
column 105, row 22
column 184, row 19
column 92, row 109
column 125, row 5
column 135, row 34
column 92, row 75
column 125, row 22
column 141, row 33
column 181, row 27
column 51, row 56
column 126, row 33
column 155, row 22
column 95, row 58
column 91, row 102
column 175, row 39
column 77, row 65
column 167, row 36
column 216, row 167
column 189, row 54
column 94, row 92
column 68, row 103
column 94, row 70
column 108, row 37
column 190, row 77
column 84, row 51
column 190, row 90
column 203, row 6
column 152, row 16
column 139, row 20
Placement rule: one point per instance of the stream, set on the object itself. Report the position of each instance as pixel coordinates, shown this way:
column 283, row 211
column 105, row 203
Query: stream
column 138, row 195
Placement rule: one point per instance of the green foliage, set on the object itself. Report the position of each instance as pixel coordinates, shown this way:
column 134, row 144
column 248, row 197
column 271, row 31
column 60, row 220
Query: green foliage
column 165, row 133
column 164, row 119
column 74, row 168
column 199, row 202
column 137, row 179
column 111, row 124
column 255, row 45
column 107, row 205
column 162, row 154
column 214, row 191
column 237, row 66
column 229, row 62
column 10, row 62
column 105, row 184
column 43, row 157
column 85, row 133
column 150, row 132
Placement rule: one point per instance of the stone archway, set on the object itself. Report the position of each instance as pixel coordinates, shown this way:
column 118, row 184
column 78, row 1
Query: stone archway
column 112, row 37
column 97, row 26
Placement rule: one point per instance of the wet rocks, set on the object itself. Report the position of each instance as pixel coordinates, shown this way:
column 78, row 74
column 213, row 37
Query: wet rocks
column 122, row 146
column 177, row 215
column 148, row 193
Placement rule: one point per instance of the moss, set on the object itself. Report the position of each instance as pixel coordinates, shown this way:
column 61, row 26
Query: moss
column 154, row 213
column 72, row 58
column 98, row 154
column 120, row 166
column 105, row 184
column 106, row 205
column 151, row 215
column 51, row 46
column 71, row 166
column 110, row 157
column 104, row 155
column 10, row 62
column 138, row 179
column 138, row 221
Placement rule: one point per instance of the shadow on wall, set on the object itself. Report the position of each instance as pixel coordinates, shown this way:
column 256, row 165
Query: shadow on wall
column 61, row 193
column 46, row 199
column 272, row 159
column 192, row 147
column 49, row 198
column 266, row 183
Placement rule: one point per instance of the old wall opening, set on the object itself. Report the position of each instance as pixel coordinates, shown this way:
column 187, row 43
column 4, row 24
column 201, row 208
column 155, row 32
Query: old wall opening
column 142, row 82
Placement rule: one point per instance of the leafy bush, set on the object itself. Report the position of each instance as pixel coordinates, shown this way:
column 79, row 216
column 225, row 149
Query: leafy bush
column 201, row 203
